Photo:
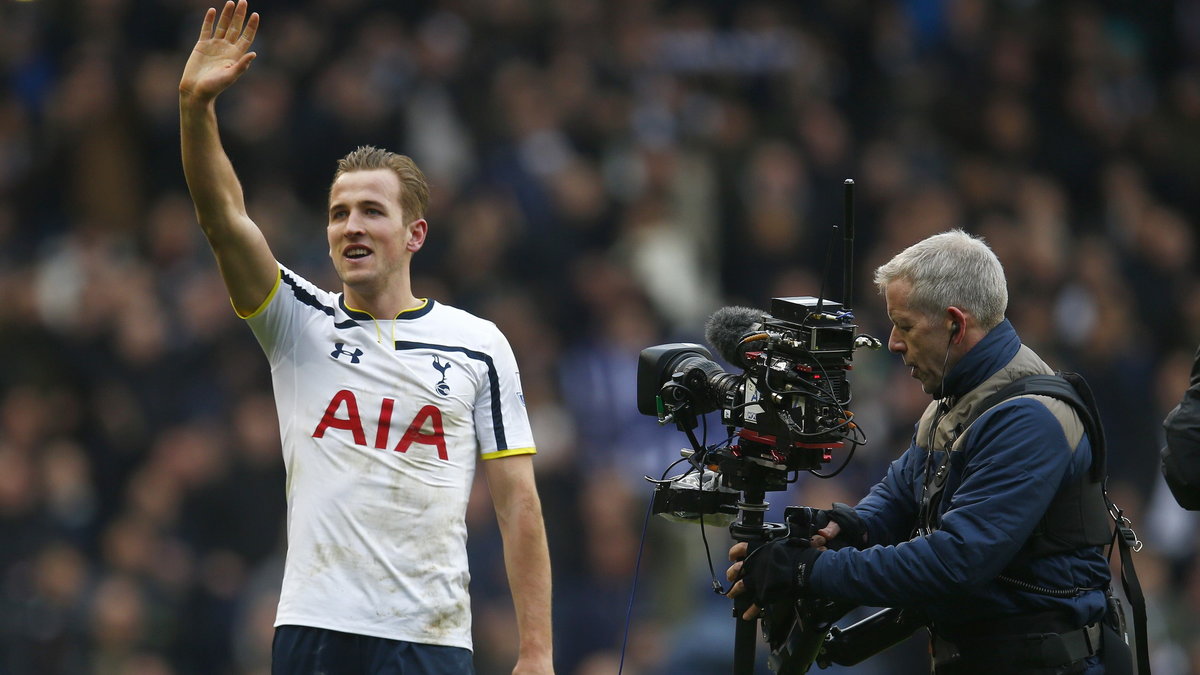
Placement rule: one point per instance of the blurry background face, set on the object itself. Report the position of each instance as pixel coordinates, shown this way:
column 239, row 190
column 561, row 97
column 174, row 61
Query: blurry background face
column 606, row 175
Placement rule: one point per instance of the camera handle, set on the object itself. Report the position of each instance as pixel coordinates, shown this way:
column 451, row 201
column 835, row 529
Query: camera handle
column 796, row 632
column 750, row 527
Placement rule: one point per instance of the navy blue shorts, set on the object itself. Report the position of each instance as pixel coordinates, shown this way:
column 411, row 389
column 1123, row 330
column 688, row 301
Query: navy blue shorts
column 301, row 650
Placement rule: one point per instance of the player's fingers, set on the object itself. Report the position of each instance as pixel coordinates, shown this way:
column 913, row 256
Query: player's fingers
column 251, row 29
column 736, row 589
column 244, row 63
column 239, row 18
column 751, row 614
column 206, row 28
column 224, row 20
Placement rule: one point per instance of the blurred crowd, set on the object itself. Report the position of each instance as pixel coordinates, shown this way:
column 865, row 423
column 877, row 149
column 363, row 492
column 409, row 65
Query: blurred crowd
column 605, row 174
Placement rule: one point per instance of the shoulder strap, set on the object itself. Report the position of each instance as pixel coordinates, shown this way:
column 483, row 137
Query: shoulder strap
column 1067, row 387
column 1073, row 389
column 1079, row 515
column 1127, row 542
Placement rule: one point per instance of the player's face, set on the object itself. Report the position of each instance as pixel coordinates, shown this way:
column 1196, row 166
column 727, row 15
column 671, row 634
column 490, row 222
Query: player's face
column 921, row 340
column 370, row 239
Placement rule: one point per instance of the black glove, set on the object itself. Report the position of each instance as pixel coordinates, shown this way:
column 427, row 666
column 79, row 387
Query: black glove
column 778, row 569
column 853, row 529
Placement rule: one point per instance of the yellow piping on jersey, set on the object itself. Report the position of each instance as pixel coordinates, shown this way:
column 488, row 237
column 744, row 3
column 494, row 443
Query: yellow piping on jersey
column 379, row 333
column 267, row 301
column 508, row 453
column 424, row 301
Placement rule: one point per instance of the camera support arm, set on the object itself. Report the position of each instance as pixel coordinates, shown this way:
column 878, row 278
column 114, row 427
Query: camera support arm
column 751, row 527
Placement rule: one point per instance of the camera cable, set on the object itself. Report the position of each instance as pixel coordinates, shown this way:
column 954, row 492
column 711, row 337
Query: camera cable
column 637, row 565
column 925, row 515
column 633, row 590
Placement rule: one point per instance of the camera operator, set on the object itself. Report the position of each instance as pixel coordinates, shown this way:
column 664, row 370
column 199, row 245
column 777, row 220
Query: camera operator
column 973, row 524
column 1181, row 456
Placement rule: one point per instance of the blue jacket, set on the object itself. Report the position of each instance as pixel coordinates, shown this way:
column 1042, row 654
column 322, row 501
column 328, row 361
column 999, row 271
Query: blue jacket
column 1009, row 465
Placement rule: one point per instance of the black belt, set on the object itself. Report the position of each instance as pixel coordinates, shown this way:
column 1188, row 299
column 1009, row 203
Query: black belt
column 1034, row 650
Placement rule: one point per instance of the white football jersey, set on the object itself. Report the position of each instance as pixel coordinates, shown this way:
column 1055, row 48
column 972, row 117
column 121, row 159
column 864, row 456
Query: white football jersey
column 381, row 423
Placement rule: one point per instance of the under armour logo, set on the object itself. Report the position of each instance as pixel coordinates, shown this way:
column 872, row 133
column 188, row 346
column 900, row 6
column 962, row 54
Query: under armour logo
column 338, row 351
column 442, row 387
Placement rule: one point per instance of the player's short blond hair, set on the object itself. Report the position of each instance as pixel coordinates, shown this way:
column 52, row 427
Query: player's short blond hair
column 414, row 189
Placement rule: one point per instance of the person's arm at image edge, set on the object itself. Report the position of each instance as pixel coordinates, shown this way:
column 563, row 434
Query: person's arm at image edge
column 526, row 557
column 220, row 57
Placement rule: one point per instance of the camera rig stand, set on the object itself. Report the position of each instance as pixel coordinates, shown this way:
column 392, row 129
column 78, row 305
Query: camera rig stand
column 751, row 528
column 798, row 633
column 794, row 631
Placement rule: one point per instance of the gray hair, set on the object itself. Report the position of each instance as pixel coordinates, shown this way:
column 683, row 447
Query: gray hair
column 950, row 269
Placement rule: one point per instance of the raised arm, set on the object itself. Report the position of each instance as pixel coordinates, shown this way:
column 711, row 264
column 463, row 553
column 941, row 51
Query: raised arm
column 221, row 55
column 526, row 558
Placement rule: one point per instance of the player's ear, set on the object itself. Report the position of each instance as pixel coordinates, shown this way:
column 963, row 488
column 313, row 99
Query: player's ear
column 416, row 235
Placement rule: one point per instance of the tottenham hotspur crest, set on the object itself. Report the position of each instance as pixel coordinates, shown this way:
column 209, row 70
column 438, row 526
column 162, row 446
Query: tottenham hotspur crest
column 441, row 387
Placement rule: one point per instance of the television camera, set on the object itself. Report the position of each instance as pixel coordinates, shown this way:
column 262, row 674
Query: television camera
column 790, row 402
column 787, row 412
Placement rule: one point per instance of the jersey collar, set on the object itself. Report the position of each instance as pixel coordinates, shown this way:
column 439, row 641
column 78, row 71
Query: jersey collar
column 417, row 312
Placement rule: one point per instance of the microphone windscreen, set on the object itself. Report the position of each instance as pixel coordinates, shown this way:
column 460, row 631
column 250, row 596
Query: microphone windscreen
column 725, row 329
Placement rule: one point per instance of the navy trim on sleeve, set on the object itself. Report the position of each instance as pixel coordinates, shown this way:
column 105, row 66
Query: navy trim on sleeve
column 493, row 381
column 307, row 298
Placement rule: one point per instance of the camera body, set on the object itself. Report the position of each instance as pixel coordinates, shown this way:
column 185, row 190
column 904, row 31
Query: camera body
column 789, row 403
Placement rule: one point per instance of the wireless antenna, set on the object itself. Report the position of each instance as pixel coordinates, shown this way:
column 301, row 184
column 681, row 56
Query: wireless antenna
column 848, row 247
column 847, row 253
column 825, row 272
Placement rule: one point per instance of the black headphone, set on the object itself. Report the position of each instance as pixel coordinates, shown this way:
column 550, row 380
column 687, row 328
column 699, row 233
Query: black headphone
column 954, row 328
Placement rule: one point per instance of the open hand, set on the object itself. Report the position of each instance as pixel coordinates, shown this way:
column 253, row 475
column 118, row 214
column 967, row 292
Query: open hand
column 221, row 54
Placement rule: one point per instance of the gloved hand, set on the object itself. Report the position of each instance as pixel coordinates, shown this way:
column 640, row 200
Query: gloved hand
column 852, row 531
column 778, row 569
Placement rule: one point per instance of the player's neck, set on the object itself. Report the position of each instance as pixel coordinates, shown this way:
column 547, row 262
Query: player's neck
column 383, row 305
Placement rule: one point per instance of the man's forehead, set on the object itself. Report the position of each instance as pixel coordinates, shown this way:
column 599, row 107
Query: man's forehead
column 896, row 292
column 379, row 185
column 896, row 296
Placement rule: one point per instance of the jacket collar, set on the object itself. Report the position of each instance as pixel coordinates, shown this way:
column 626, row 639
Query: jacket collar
column 991, row 354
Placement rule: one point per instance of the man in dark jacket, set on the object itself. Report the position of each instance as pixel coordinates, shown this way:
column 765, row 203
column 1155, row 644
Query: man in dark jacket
column 1181, row 456
column 958, row 527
